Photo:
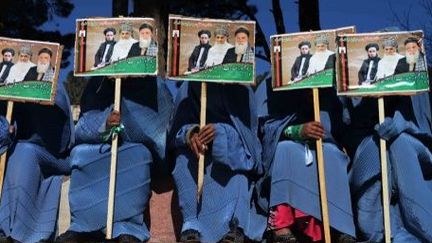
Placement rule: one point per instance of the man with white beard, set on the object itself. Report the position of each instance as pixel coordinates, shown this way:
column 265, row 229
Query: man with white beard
column 43, row 71
column 20, row 69
column 322, row 58
column 7, row 63
column 123, row 46
column 242, row 51
column 217, row 52
column 414, row 60
column 387, row 65
column 146, row 46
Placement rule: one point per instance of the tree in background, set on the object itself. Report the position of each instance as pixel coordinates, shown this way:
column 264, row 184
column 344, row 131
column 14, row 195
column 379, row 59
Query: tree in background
column 23, row 19
column 222, row 9
column 405, row 20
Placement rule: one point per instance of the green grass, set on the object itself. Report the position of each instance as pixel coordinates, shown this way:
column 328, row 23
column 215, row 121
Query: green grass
column 401, row 83
column 29, row 90
column 130, row 66
column 319, row 80
column 225, row 73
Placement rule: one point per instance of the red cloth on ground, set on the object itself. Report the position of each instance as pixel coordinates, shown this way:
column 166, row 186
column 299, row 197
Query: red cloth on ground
column 284, row 216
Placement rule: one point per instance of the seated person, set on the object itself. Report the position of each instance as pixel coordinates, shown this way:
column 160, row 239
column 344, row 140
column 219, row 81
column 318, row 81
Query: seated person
column 146, row 105
column 232, row 161
column 290, row 187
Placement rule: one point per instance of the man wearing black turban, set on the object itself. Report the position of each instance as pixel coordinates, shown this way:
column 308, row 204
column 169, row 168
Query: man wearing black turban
column 7, row 63
column 301, row 64
column 104, row 53
column 199, row 55
column 369, row 67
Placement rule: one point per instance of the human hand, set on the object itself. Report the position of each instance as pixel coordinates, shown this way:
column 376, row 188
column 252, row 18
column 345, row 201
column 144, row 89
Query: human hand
column 207, row 134
column 312, row 130
column 113, row 119
column 195, row 144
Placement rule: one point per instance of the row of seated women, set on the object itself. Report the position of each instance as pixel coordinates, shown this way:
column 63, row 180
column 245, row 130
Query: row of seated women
column 260, row 179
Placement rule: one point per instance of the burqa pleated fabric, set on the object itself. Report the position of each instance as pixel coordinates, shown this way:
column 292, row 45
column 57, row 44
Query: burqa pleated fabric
column 35, row 168
column 231, row 164
column 407, row 130
column 146, row 105
column 291, row 171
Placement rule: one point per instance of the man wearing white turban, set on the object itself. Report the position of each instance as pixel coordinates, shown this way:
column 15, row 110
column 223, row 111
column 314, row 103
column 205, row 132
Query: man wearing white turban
column 217, row 52
column 387, row 65
column 123, row 46
column 20, row 69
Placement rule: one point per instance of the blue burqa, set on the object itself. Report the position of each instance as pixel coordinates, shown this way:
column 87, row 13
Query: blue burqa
column 146, row 105
column 407, row 130
column 291, row 171
column 36, row 163
column 230, row 164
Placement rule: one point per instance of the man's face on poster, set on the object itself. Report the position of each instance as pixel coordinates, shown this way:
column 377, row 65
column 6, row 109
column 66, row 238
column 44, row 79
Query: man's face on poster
column 44, row 58
column 7, row 57
column 24, row 57
column 389, row 50
column 221, row 39
column 372, row 52
column 145, row 34
column 412, row 48
column 241, row 38
column 204, row 39
column 125, row 35
column 320, row 47
column 304, row 49
column 109, row 36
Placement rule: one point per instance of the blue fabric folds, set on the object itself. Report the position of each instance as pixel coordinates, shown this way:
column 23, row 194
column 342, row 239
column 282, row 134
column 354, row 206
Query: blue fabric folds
column 36, row 163
column 289, row 177
column 231, row 164
column 5, row 137
column 408, row 134
column 146, row 106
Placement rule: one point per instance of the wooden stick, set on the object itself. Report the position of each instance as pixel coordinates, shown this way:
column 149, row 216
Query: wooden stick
column 384, row 176
column 321, row 171
column 203, row 115
column 113, row 171
column 3, row 158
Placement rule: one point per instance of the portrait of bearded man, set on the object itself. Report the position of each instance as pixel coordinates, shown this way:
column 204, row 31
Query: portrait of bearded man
column 414, row 60
column 387, row 64
column 217, row 52
column 242, row 51
column 105, row 50
column 20, row 69
column 323, row 58
column 146, row 46
column 43, row 71
column 124, row 44
column 6, row 64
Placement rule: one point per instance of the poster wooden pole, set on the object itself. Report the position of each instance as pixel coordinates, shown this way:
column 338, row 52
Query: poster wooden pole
column 321, row 171
column 113, row 170
column 3, row 158
column 384, row 176
column 203, row 116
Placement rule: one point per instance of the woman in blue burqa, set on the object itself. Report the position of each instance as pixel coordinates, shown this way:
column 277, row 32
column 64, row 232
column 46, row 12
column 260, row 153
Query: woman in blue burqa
column 146, row 105
column 229, row 141
column 407, row 130
column 289, row 190
column 35, row 168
